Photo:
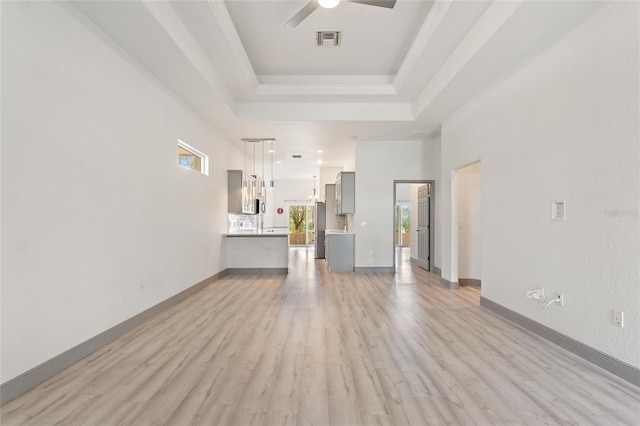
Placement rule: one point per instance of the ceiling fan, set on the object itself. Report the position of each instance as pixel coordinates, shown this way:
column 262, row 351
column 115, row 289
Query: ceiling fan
column 314, row 4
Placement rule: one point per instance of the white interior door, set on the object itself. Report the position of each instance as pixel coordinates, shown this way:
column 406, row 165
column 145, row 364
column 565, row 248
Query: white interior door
column 424, row 222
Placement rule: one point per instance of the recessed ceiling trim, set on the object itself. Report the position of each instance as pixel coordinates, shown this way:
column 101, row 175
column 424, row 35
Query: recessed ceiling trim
column 325, row 89
column 325, row 79
column 175, row 29
column 434, row 17
column 490, row 23
column 325, row 111
column 229, row 30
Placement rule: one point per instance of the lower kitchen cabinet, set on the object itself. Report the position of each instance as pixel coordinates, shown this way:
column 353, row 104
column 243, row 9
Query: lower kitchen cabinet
column 339, row 251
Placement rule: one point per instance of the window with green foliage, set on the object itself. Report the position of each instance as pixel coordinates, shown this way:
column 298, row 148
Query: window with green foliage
column 403, row 224
column 406, row 219
column 301, row 227
column 193, row 159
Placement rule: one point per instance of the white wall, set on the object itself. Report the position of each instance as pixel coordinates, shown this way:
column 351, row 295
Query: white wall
column 98, row 220
column 564, row 127
column 350, row 161
column 469, row 180
column 378, row 164
column 327, row 176
column 290, row 192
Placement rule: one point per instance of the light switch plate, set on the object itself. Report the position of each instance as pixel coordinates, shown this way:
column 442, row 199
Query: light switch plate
column 558, row 210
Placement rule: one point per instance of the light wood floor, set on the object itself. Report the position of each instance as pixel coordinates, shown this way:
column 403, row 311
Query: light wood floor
column 315, row 348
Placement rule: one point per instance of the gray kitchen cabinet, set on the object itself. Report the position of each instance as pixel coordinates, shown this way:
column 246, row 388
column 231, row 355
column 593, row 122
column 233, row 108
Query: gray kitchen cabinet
column 339, row 251
column 345, row 193
column 333, row 221
column 243, row 192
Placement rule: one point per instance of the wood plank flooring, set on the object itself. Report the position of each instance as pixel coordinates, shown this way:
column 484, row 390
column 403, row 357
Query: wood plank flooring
column 319, row 348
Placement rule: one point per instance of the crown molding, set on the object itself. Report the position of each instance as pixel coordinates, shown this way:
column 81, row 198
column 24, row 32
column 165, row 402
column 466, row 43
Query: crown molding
column 321, row 89
column 325, row 85
column 325, row 79
column 273, row 111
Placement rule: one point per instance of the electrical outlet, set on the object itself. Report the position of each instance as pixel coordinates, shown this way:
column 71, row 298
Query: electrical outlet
column 537, row 294
column 618, row 318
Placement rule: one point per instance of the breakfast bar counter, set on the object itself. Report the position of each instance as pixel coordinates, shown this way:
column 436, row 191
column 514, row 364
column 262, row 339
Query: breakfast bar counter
column 258, row 251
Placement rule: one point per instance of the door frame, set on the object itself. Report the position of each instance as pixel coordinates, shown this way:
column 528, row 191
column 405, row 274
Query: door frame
column 432, row 218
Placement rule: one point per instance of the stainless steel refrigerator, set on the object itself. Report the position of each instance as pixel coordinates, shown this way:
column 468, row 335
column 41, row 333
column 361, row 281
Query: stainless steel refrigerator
column 320, row 225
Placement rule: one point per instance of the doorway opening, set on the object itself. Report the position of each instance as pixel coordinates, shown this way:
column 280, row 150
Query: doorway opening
column 468, row 190
column 301, row 226
column 414, row 212
column 403, row 223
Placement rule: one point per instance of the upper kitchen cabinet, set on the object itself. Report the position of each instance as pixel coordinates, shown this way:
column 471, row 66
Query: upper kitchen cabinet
column 345, row 193
column 243, row 192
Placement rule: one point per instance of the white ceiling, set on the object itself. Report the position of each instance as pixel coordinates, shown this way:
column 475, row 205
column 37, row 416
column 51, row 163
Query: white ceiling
column 396, row 75
column 277, row 50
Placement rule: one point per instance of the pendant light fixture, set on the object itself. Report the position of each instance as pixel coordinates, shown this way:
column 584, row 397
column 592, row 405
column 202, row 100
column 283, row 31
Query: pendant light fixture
column 315, row 196
column 244, row 181
column 271, row 151
column 263, row 190
column 259, row 184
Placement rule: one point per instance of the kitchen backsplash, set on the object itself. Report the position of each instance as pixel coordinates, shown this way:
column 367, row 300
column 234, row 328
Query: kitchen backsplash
column 242, row 221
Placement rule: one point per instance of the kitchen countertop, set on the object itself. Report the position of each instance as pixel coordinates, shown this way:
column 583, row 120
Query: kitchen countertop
column 269, row 232
column 338, row 231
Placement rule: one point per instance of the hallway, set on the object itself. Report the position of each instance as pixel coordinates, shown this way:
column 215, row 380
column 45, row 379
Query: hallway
column 329, row 349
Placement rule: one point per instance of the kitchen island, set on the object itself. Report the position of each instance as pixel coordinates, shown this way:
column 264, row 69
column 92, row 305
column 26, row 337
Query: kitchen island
column 339, row 250
column 258, row 251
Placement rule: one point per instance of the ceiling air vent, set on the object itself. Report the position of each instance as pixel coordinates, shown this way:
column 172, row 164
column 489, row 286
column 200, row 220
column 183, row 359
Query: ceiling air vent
column 296, row 156
column 328, row 38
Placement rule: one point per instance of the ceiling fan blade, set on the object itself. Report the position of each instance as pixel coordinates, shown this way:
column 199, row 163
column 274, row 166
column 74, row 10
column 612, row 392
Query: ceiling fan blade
column 382, row 3
column 300, row 16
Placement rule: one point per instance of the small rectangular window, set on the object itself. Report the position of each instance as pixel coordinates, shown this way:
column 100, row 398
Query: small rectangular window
column 193, row 159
